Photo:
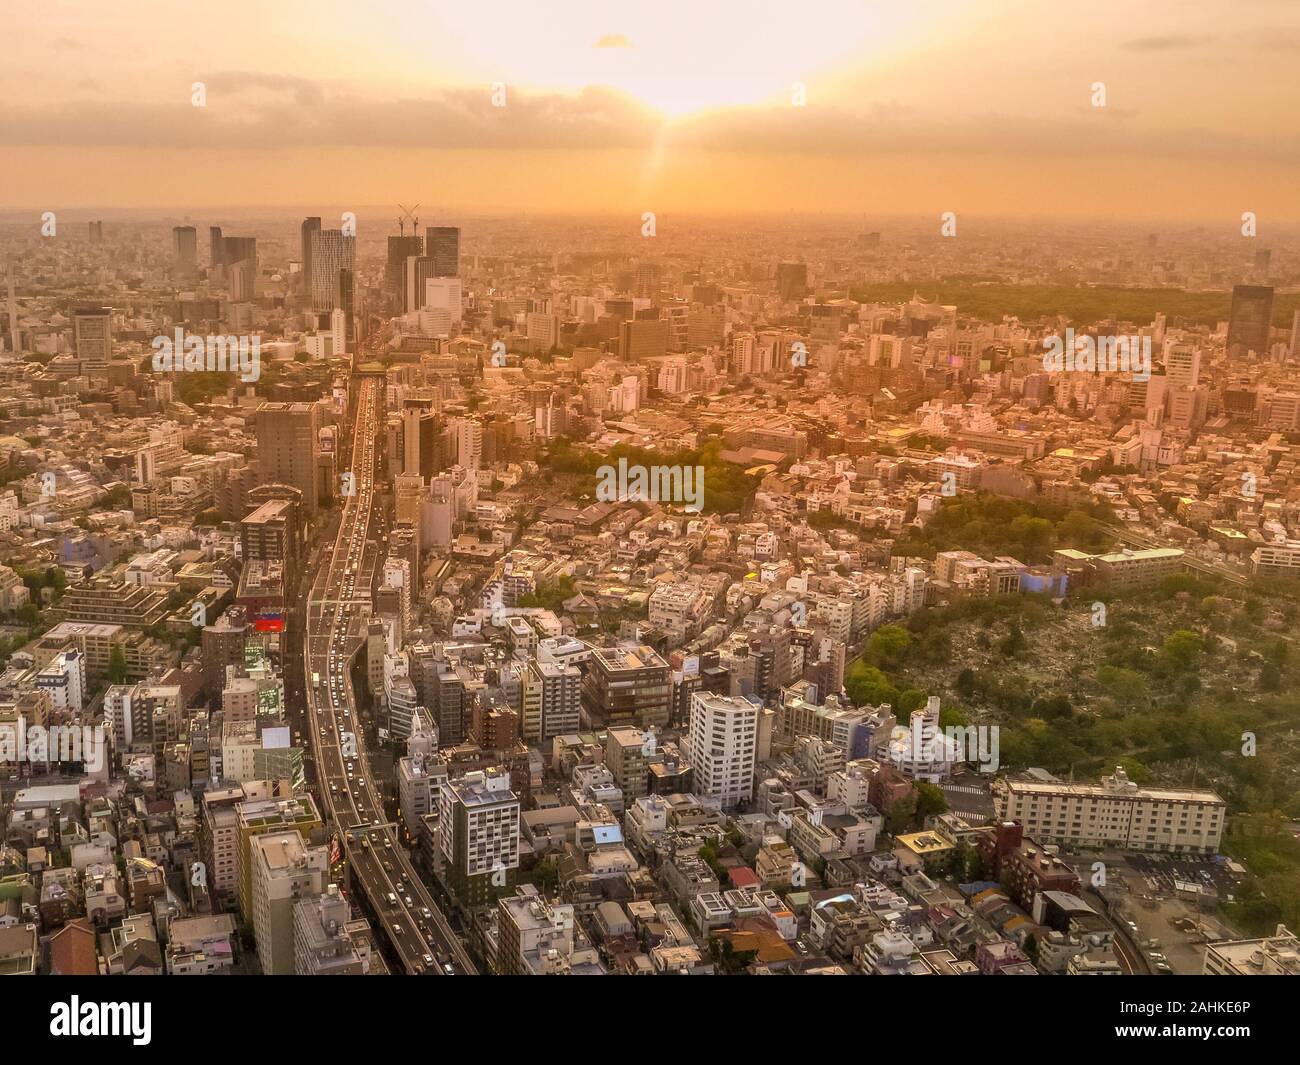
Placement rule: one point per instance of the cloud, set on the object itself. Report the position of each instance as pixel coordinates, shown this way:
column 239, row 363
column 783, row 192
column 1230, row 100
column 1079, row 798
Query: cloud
column 265, row 112
column 1172, row 42
column 613, row 40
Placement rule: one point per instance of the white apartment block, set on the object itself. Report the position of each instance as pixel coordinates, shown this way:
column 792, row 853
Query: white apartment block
column 64, row 680
column 479, row 816
column 723, row 745
column 420, row 779
column 1114, row 813
column 1276, row 560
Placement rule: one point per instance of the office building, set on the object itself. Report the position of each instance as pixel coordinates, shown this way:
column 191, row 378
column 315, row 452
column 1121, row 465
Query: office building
column 442, row 245
column 185, row 247
column 288, row 448
column 643, row 339
column 284, row 871
column 626, row 685
column 92, row 339
column 273, row 533
column 1251, row 315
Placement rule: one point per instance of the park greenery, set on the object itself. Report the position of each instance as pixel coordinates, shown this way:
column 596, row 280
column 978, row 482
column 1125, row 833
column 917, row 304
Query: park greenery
column 1183, row 684
column 992, row 525
column 991, row 300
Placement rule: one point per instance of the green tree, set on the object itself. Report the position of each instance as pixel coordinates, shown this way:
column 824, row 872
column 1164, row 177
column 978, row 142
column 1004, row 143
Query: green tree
column 930, row 800
column 901, row 814
column 867, row 685
column 886, row 645
column 117, row 665
column 1182, row 648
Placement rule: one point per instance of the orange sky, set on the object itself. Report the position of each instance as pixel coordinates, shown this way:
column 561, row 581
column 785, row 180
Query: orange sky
column 671, row 105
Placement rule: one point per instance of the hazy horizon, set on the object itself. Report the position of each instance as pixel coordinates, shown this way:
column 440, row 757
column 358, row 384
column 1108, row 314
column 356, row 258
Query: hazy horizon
column 824, row 108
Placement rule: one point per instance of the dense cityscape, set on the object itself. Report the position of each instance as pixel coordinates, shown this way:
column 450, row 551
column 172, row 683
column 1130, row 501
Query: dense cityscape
column 627, row 604
column 622, row 564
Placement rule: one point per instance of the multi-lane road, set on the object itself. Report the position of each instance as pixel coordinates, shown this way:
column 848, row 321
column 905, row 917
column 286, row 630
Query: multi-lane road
column 337, row 611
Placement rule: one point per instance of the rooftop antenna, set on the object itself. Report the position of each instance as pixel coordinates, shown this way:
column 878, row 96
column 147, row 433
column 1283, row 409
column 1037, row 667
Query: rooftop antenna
column 411, row 215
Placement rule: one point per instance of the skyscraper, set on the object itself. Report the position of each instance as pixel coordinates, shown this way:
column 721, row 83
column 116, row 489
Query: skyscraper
column 1252, row 311
column 1183, row 366
column 92, row 337
column 416, row 271
column 216, row 254
column 288, row 441
column 791, row 280
column 400, row 248
column 310, row 226
column 442, row 245
column 185, row 247
column 13, row 307
column 331, row 253
column 96, row 232
column 239, row 256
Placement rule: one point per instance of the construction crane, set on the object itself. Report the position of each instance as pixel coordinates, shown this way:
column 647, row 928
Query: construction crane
column 410, row 216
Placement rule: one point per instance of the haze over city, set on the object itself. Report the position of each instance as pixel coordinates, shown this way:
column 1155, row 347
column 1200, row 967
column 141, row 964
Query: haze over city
column 672, row 106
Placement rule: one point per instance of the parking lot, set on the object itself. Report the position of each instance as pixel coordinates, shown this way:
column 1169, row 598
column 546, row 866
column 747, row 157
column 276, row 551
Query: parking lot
column 1151, row 899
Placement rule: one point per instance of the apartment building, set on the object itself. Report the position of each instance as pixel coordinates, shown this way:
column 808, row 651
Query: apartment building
column 479, row 819
column 1276, row 560
column 112, row 600
column 1115, row 813
column 722, row 744
column 265, row 817
column 627, row 751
